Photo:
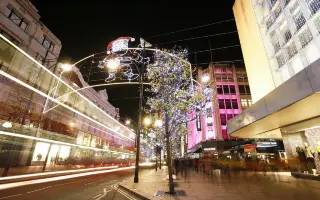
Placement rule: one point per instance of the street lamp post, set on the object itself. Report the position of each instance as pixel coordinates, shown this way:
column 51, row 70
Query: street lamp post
column 141, row 74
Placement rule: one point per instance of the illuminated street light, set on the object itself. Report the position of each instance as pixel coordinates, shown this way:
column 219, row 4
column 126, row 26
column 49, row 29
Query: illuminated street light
column 205, row 78
column 158, row 123
column 66, row 67
column 113, row 63
column 147, row 121
column 128, row 122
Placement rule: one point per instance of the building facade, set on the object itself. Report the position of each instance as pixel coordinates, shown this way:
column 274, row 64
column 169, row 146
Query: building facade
column 286, row 35
column 283, row 68
column 231, row 95
column 46, row 119
column 20, row 23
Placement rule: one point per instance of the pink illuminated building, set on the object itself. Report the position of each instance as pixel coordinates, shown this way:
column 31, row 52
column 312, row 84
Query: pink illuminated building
column 231, row 96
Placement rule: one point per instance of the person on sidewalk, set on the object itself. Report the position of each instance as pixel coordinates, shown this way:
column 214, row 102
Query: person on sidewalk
column 177, row 166
column 196, row 164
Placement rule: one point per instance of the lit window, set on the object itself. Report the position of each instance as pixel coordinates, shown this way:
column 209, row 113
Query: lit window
column 244, row 103
column 23, row 25
column 249, row 102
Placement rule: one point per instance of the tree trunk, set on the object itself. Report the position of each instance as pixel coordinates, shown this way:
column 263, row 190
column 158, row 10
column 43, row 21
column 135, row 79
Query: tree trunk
column 169, row 156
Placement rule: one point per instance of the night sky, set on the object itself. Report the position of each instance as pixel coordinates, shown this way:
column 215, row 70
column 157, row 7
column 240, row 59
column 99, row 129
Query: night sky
column 86, row 27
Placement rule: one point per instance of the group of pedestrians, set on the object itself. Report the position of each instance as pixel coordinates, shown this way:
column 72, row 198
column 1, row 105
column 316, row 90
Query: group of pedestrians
column 181, row 167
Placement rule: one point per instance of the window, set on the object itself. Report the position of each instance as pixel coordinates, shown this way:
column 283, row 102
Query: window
column 249, row 102
column 287, row 35
column 7, row 11
column 305, row 37
column 226, row 89
column 221, row 104
column 219, row 89
column 218, row 77
column 280, row 59
column 244, row 103
column 228, row 104
column 232, row 89
column 223, row 119
column 46, row 43
column 292, row 50
column 224, row 78
column 317, row 24
column 234, row 103
column 242, row 89
column 15, row 19
column 313, row 5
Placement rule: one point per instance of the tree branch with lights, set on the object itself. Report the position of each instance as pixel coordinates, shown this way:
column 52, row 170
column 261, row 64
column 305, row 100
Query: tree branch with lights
column 174, row 98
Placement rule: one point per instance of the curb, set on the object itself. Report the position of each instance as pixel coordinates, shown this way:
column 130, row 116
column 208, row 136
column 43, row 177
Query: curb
column 134, row 193
column 305, row 176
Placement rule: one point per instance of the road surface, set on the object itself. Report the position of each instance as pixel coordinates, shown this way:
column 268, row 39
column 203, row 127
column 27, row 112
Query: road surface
column 94, row 187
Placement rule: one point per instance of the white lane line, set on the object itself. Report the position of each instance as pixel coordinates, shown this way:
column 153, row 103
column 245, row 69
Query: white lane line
column 105, row 192
column 97, row 196
column 125, row 194
column 10, row 196
column 46, row 180
column 39, row 189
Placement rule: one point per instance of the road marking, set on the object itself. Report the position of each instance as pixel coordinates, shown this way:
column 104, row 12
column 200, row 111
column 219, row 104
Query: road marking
column 97, row 196
column 39, row 189
column 10, row 196
column 116, row 188
column 105, row 192
column 59, row 178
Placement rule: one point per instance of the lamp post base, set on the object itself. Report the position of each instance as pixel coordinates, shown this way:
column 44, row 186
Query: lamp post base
column 136, row 179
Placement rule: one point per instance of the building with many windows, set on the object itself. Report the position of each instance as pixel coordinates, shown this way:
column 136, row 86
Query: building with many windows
column 231, row 96
column 280, row 41
column 20, row 23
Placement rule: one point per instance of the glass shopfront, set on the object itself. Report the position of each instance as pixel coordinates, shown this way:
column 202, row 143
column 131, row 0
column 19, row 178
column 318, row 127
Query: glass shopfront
column 303, row 150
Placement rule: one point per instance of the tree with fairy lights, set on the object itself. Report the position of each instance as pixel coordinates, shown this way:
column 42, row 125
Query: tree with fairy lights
column 174, row 98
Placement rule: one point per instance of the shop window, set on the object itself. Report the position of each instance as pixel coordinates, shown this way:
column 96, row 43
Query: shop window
column 223, row 119
column 219, row 89
column 244, row 103
column 234, row 104
column 221, row 104
column 232, row 89
column 226, row 89
column 249, row 102
column 228, row 104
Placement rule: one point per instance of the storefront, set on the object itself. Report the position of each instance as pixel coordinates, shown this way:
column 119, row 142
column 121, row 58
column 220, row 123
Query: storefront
column 303, row 149
column 56, row 154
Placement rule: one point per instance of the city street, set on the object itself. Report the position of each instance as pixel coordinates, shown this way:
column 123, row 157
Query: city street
column 87, row 187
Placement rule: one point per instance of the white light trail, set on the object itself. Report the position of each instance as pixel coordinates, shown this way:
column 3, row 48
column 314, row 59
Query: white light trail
column 46, row 180
column 54, row 173
column 58, row 142
column 64, row 105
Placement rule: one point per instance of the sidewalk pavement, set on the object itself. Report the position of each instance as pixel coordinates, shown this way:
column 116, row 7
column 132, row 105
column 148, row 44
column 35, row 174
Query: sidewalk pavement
column 228, row 186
